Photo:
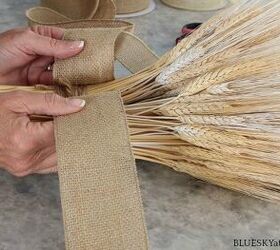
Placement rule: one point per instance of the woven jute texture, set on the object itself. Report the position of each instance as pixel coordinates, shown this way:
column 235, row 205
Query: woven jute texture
column 82, row 9
column 104, row 41
column 102, row 208
column 95, row 64
column 130, row 6
column 197, row 5
column 133, row 53
column 101, row 201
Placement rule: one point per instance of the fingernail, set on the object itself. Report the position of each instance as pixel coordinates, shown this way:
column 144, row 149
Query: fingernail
column 78, row 102
column 78, row 44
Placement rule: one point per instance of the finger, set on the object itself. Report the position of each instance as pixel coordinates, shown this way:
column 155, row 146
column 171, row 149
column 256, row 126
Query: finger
column 48, row 31
column 38, row 73
column 48, row 165
column 45, row 158
column 42, row 138
column 42, row 45
column 44, row 104
column 50, row 170
column 46, row 78
column 43, row 133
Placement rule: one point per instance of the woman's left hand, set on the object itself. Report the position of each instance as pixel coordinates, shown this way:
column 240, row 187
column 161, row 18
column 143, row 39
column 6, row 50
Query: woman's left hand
column 26, row 53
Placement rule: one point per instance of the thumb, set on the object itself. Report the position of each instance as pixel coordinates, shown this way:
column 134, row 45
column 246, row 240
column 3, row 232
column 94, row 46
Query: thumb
column 47, row 104
column 51, row 44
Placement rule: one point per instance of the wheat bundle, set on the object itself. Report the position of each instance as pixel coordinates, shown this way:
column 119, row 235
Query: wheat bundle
column 211, row 106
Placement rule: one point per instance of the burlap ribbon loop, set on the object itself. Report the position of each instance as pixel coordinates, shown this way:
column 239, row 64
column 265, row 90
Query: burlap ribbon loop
column 94, row 9
column 82, row 9
column 95, row 64
column 105, row 40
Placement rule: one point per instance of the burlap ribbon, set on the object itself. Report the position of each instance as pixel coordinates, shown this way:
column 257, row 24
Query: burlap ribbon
column 81, row 9
column 130, row 6
column 102, row 207
column 196, row 5
column 100, row 195
column 95, row 64
column 101, row 201
column 94, row 9
column 105, row 40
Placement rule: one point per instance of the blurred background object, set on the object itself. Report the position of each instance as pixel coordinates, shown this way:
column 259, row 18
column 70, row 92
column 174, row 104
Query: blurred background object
column 197, row 5
column 187, row 30
column 132, row 8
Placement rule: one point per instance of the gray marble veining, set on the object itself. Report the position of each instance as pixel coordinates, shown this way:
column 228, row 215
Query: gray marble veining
column 182, row 213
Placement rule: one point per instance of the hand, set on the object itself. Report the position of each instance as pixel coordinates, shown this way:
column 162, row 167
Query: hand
column 28, row 147
column 25, row 54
